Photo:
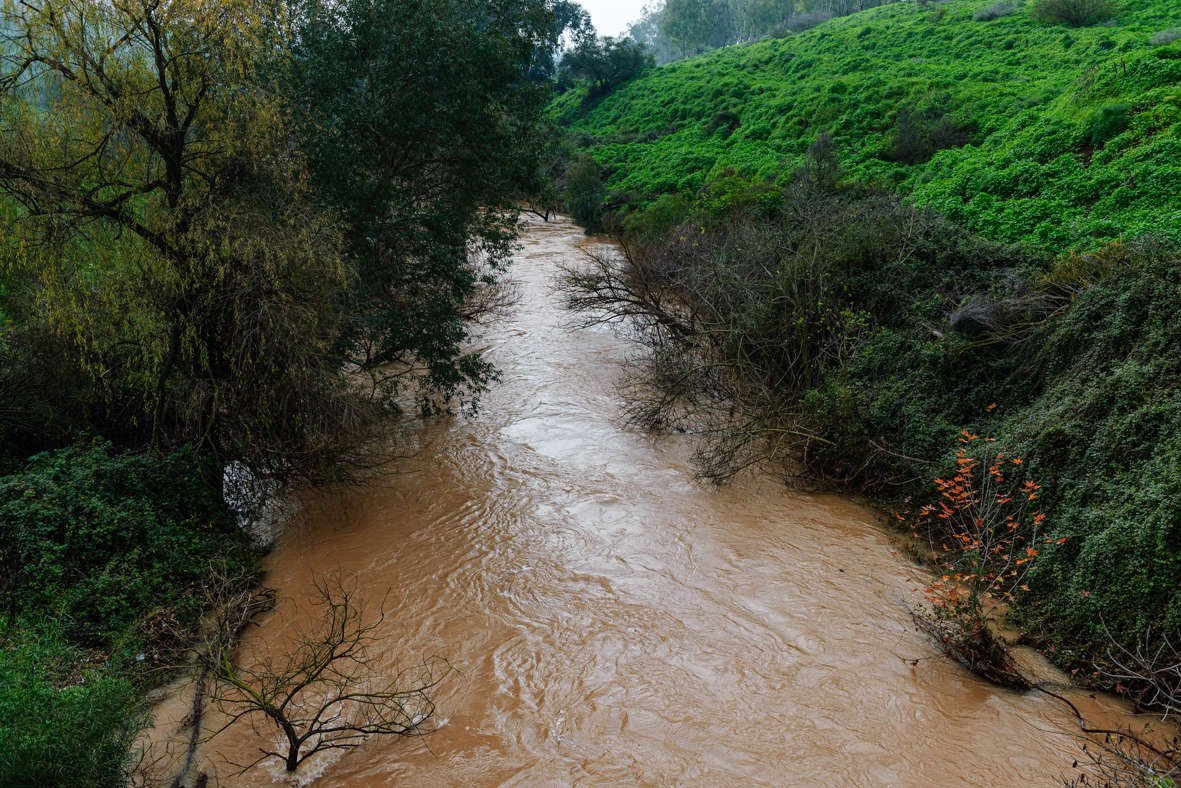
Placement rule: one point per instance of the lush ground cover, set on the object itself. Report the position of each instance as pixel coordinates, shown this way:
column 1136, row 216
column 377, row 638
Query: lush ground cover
column 1075, row 134
column 105, row 559
column 95, row 543
column 67, row 719
column 1091, row 400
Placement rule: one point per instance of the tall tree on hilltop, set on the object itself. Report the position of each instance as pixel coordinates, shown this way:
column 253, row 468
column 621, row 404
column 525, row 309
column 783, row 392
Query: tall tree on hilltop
column 606, row 61
column 571, row 24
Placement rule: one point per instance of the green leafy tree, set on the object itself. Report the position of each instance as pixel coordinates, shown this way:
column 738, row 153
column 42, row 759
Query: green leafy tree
column 689, row 24
column 606, row 62
column 585, row 192
column 647, row 31
column 571, row 23
column 152, row 200
column 420, row 132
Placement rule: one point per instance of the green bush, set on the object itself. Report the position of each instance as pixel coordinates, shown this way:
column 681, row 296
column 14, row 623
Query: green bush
column 1104, row 430
column 1090, row 401
column 96, row 541
column 1110, row 122
column 585, row 193
column 919, row 136
column 64, row 722
column 1073, row 13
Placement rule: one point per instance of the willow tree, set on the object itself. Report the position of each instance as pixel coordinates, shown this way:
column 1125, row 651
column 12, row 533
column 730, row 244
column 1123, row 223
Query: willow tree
column 152, row 195
column 422, row 128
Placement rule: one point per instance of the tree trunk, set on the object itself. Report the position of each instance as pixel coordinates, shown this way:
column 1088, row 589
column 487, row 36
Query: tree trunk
column 162, row 382
column 293, row 743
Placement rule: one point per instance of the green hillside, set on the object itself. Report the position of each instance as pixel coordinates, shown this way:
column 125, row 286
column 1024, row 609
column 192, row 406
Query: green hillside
column 1039, row 305
column 1074, row 134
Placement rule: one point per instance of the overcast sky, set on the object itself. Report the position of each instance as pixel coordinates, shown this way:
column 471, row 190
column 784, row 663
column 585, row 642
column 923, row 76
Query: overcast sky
column 611, row 17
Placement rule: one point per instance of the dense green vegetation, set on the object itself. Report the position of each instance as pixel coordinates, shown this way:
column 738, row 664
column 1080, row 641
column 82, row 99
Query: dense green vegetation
column 878, row 228
column 105, row 562
column 237, row 238
column 1090, row 400
column 66, row 719
column 1075, row 133
column 94, row 542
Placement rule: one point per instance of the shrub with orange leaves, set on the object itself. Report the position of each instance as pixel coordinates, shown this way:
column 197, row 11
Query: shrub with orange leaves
column 981, row 533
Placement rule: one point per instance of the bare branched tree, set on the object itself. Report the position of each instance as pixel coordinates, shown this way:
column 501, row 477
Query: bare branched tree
column 320, row 687
column 737, row 325
column 494, row 296
column 1153, row 665
column 1122, row 760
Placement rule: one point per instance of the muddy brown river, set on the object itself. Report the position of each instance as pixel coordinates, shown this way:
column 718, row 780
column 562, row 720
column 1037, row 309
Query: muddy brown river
column 616, row 624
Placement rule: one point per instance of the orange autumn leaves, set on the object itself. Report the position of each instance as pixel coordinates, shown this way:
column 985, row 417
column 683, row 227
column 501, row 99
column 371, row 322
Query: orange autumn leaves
column 980, row 534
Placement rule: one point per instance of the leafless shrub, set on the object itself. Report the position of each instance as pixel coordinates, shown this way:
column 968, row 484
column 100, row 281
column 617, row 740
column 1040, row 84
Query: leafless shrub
column 495, row 296
column 994, row 11
column 800, row 22
column 232, row 601
column 1152, row 668
column 1123, row 759
column 1164, row 37
column 738, row 323
column 977, row 316
column 319, row 685
column 1013, row 320
column 492, row 301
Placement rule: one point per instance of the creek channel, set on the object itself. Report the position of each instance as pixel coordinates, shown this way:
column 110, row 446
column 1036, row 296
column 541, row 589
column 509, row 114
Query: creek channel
column 613, row 623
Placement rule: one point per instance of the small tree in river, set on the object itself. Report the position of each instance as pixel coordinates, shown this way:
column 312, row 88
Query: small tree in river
column 585, row 192
column 320, row 686
column 981, row 536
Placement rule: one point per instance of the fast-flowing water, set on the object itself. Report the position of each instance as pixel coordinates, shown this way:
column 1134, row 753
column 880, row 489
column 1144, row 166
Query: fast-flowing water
column 617, row 624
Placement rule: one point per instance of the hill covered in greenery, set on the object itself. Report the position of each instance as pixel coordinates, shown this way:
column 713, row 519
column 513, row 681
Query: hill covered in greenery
column 860, row 246
column 1021, row 130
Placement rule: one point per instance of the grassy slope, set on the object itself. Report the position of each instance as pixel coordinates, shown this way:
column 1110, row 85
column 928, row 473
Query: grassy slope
column 1033, row 92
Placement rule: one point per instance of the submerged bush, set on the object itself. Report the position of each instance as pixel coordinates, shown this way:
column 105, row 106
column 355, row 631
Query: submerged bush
column 752, row 305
